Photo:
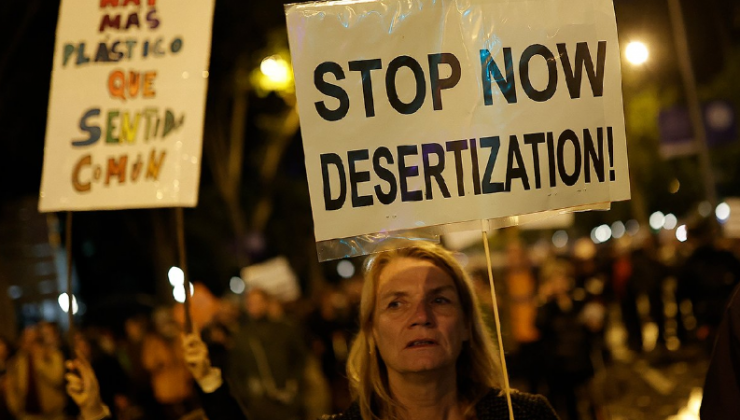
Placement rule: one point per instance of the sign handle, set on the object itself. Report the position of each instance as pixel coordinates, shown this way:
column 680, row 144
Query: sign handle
column 183, row 266
column 70, row 295
column 507, row 389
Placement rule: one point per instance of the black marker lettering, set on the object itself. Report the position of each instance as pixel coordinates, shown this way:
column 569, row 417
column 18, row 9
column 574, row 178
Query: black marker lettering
column 490, row 70
column 332, row 90
column 569, row 136
column 552, row 82
column 494, row 143
column 591, row 157
column 457, row 147
column 535, row 139
column 436, row 84
column 365, row 67
column 386, row 175
column 476, row 169
column 583, row 59
column 518, row 171
column 551, row 158
column 434, row 170
column 333, row 159
column 357, row 177
column 390, row 85
column 405, row 172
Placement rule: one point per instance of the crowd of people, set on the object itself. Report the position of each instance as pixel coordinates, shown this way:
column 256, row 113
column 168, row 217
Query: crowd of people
column 287, row 360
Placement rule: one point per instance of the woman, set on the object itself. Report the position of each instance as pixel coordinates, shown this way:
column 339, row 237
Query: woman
column 422, row 351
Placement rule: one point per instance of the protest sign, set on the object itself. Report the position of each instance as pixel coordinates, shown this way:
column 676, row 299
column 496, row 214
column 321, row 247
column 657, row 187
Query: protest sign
column 274, row 276
column 126, row 105
column 419, row 113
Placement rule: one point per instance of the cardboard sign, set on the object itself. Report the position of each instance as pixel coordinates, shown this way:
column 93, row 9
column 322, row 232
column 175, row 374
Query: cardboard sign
column 422, row 113
column 126, row 105
column 275, row 276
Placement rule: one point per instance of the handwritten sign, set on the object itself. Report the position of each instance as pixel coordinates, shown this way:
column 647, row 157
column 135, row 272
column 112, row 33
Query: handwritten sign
column 126, row 105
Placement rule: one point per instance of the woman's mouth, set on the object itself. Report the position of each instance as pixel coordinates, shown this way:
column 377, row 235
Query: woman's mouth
column 424, row 342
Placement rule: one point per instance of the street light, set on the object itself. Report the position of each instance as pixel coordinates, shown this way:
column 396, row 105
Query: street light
column 64, row 303
column 274, row 74
column 636, row 53
column 176, row 276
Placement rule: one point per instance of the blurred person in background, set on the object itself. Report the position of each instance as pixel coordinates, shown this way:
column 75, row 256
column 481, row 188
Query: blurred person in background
column 129, row 352
column 721, row 399
column 707, row 278
column 163, row 359
column 6, row 352
column 521, row 285
column 647, row 278
column 51, row 337
column 330, row 329
column 622, row 293
column 267, row 361
column 112, row 379
column 220, row 332
column 220, row 343
column 228, row 314
column 35, row 378
column 564, row 325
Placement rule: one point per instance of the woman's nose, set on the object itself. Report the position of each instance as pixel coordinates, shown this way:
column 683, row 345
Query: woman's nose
column 422, row 315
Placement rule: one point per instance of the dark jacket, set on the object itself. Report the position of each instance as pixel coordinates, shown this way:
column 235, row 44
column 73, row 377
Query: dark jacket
column 722, row 387
column 220, row 405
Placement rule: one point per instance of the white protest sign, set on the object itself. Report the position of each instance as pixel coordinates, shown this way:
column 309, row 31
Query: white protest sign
column 275, row 277
column 126, row 105
column 417, row 113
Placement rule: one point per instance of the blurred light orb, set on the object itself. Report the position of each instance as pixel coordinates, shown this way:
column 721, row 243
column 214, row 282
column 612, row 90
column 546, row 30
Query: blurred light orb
column 236, row 284
column 176, row 276
column 674, row 186
column 633, row 226
column 345, row 269
column 657, row 220
column 603, row 233
column 179, row 292
column 670, row 221
column 682, row 233
column 64, row 303
column 560, row 239
column 722, row 212
column 594, row 239
column 705, row 208
column 276, row 69
column 462, row 258
column 636, row 53
column 618, row 230
column 15, row 292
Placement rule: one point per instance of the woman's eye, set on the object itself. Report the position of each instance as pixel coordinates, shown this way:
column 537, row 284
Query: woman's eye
column 441, row 300
column 394, row 304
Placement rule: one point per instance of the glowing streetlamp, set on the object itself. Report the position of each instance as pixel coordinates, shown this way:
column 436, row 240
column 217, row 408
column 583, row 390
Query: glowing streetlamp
column 275, row 74
column 64, row 303
column 636, row 53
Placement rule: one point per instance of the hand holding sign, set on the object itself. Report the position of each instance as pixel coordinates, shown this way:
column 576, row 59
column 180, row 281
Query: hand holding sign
column 82, row 387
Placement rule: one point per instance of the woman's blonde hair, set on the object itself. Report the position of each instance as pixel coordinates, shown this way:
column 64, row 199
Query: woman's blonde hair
column 477, row 366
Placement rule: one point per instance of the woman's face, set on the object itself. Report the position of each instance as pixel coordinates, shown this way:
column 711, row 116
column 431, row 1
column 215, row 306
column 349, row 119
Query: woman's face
column 419, row 324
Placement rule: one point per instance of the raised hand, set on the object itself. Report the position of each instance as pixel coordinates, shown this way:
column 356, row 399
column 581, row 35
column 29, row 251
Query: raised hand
column 83, row 388
column 196, row 356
